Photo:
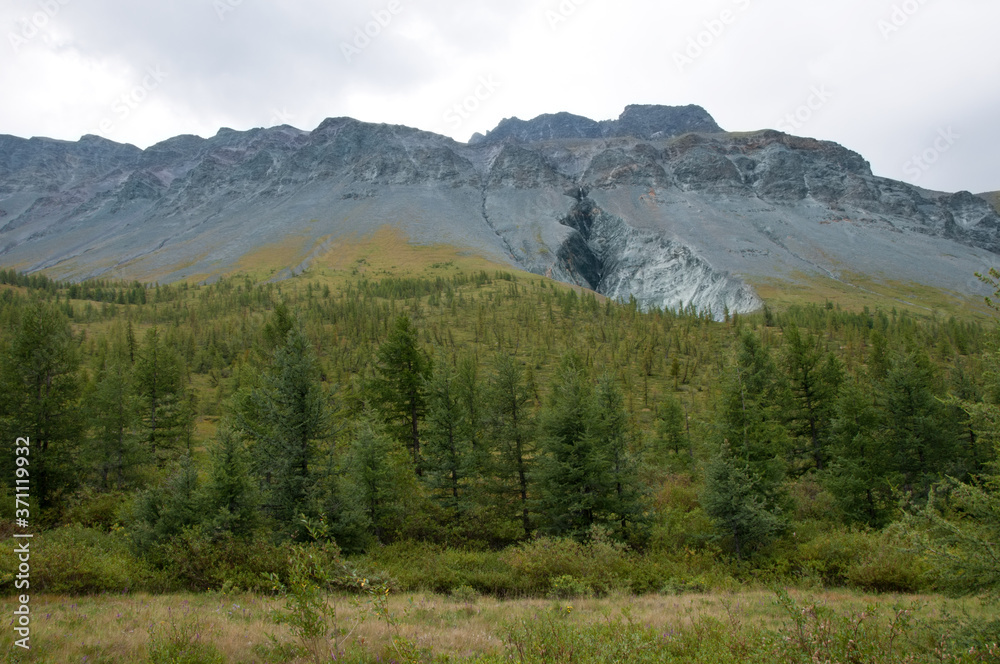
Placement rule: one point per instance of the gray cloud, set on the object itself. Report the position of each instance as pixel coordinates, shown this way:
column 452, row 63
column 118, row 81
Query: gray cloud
column 894, row 72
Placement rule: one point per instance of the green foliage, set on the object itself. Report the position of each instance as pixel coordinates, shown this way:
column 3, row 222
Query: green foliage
column 510, row 438
column 450, row 437
column 814, row 379
column 916, row 401
column 733, row 497
column 162, row 513
column 284, row 419
column 402, row 369
column 166, row 409
column 959, row 530
column 74, row 560
column 115, row 409
column 378, row 484
column 39, row 378
column 231, row 498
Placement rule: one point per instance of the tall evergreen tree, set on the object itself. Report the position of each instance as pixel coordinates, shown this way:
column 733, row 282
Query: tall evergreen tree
column 860, row 476
column 814, row 378
column 166, row 415
column 920, row 434
column 231, row 497
column 377, row 482
column 574, row 480
column 284, row 417
column 739, row 506
column 115, row 413
column 610, row 428
column 510, row 432
column 39, row 377
column 401, row 371
column 448, row 449
column 750, row 468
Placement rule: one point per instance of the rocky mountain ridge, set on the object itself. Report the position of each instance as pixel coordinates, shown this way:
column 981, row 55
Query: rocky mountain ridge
column 649, row 208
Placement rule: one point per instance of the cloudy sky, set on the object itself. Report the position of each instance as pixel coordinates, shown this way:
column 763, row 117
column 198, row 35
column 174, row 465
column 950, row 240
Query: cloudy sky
column 910, row 84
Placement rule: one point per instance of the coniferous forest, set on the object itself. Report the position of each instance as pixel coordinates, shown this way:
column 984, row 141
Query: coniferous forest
column 492, row 434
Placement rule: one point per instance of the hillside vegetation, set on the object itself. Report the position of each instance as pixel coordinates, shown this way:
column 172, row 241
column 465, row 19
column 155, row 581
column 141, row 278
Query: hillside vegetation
column 439, row 427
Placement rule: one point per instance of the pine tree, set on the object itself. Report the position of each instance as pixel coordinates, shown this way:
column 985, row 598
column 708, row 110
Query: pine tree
column 744, row 485
column 115, row 413
column 510, row 429
column 398, row 389
column 920, row 436
column 815, row 378
column 860, row 476
column 231, row 498
column 377, row 483
column 284, row 418
column 670, row 436
column 159, row 378
column 574, row 480
column 166, row 511
column 739, row 506
column 39, row 377
column 610, row 429
column 448, row 453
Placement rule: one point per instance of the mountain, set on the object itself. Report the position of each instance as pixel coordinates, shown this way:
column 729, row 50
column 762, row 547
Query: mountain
column 660, row 205
column 993, row 198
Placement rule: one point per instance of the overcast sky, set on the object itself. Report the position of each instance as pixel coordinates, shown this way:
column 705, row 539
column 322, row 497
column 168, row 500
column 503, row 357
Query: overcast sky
column 910, row 84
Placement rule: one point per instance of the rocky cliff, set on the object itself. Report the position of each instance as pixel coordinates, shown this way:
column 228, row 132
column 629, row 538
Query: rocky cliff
column 660, row 204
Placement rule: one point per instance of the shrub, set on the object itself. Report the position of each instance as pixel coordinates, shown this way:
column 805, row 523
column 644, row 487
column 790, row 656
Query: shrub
column 866, row 560
column 76, row 560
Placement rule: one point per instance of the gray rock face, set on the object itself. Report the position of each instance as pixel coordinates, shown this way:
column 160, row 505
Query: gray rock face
column 636, row 207
column 647, row 122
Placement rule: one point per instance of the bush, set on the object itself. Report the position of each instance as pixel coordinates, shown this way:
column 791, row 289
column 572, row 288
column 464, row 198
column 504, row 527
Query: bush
column 865, row 560
column 423, row 566
column 601, row 564
column 75, row 560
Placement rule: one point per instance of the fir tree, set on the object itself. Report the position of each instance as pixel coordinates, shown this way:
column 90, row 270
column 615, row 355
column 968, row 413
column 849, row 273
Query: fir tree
column 401, row 371
column 115, row 415
column 39, row 376
column 376, row 482
column 448, row 453
column 574, row 480
column 159, row 378
column 510, row 431
column 231, row 500
column 284, row 418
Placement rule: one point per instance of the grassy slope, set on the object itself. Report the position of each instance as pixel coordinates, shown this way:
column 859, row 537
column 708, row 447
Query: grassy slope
column 387, row 252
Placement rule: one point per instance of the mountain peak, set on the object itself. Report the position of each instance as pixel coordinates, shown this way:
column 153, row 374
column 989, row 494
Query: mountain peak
column 643, row 121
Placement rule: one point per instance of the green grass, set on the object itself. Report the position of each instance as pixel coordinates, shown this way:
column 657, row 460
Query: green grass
column 748, row 626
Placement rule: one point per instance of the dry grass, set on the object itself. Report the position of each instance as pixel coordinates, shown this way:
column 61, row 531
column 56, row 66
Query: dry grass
column 240, row 627
column 854, row 292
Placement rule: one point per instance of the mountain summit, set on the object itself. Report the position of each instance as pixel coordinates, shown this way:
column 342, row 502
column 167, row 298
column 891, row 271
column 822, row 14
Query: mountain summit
column 645, row 122
column 660, row 205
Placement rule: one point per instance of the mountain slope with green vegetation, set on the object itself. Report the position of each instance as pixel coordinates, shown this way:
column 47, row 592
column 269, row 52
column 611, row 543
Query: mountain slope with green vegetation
column 419, row 420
